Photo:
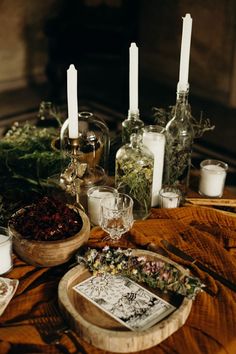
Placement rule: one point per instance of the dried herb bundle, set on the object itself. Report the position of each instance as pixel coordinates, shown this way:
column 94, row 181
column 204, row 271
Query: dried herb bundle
column 156, row 274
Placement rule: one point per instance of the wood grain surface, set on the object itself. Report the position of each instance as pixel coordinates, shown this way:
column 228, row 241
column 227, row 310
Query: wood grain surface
column 49, row 253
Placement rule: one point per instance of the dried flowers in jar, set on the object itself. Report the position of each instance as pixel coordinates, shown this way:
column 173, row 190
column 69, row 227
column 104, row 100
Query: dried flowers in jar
column 134, row 174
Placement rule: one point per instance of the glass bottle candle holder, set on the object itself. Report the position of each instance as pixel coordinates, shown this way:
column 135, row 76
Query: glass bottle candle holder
column 179, row 141
column 131, row 125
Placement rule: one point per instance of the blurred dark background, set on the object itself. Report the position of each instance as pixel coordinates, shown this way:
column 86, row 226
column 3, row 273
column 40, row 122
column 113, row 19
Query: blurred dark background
column 39, row 40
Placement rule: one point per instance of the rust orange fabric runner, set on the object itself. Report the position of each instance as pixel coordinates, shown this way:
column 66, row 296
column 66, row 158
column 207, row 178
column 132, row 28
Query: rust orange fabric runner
column 204, row 233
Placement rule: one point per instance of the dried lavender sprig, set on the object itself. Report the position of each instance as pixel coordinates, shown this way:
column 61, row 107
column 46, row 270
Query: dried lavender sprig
column 156, row 274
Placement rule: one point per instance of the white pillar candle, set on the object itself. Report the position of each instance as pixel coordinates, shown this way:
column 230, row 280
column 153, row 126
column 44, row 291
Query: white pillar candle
column 185, row 54
column 155, row 142
column 212, row 179
column 5, row 251
column 72, row 102
column 95, row 195
column 133, row 78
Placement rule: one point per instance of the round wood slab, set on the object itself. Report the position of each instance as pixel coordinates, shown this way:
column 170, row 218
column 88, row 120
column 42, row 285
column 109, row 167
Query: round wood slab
column 104, row 332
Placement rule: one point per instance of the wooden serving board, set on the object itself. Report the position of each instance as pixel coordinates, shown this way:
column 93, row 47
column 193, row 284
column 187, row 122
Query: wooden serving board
column 104, row 332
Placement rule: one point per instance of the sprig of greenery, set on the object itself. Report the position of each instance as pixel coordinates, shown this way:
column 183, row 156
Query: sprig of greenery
column 200, row 126
column 134, row 176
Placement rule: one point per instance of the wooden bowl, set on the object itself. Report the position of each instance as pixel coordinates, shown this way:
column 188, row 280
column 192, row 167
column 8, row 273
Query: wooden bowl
column 49, row 253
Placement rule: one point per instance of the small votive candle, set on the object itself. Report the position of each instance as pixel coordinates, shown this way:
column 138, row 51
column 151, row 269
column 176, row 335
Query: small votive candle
column 170, row 197
column 5, row 251
column 212, row 178
column 95, row 195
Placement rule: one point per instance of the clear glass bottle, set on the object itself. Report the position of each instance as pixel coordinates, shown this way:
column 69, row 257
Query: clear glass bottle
column 134, row 174
column 132, row 124
column 179, row 141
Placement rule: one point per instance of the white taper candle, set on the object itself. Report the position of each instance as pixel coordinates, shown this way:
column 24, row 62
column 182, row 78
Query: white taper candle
column 133, row 78
column 183, row 84
column 72, row 102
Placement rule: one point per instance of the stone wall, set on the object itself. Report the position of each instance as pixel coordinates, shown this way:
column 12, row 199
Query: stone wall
column 212, row 61
column 23, row 45
column 212, row 71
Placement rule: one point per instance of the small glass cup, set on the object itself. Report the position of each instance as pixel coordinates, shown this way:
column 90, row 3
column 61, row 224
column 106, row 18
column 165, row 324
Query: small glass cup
column 5, row 251
column 212, row 178
column 170, row 197
column 116, row 215
column 95, row 195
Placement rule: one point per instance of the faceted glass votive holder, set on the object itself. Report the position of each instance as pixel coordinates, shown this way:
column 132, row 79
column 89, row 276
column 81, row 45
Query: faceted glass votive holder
column 169, row 197
column 212, row 178
column 95, row 195
column 5, row 251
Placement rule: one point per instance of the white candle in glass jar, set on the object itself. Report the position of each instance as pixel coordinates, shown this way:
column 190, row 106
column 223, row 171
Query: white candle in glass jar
column 169, row 200
column 154, row 140
column 95, row 195
column 212, row 179
column 5, row 251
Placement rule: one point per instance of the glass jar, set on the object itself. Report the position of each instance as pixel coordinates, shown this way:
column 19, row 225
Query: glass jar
column 134, row 173
column 179, row 141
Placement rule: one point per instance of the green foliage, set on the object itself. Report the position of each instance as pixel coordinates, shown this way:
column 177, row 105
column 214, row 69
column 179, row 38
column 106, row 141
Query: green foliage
column 26, row 161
